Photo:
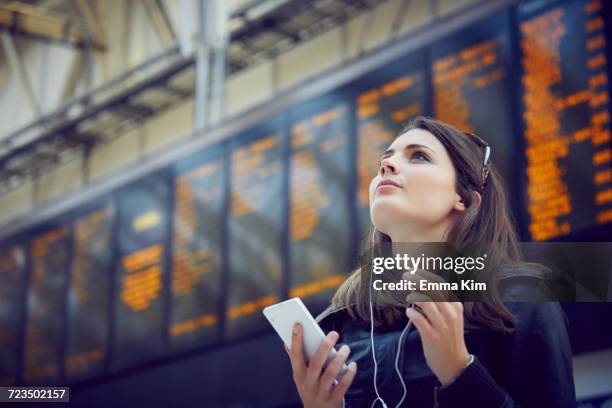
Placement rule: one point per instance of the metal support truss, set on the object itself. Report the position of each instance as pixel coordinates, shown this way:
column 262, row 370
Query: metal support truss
column 259, row 33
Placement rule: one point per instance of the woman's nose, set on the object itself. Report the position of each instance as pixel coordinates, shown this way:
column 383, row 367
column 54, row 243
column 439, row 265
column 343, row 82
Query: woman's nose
column 387, row 165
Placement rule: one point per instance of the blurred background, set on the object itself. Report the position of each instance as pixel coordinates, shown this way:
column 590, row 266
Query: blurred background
column 168, row 168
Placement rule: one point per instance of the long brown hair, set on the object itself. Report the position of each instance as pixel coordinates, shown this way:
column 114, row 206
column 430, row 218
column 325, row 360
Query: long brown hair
column 490, row 225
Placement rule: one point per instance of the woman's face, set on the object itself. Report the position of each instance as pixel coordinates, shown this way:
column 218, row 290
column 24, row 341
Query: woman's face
column 420, row 200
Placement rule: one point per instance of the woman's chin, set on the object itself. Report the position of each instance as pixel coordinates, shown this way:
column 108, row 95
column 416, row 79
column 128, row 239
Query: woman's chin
column 384, row 212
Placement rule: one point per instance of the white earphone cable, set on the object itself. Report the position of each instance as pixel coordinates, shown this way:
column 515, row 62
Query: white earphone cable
column 400, row 347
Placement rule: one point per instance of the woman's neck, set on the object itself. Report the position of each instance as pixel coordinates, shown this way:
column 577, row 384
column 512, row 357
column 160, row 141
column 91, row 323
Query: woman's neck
column 435, row 233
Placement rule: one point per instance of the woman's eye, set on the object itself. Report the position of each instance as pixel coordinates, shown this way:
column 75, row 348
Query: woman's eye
column 419, row 156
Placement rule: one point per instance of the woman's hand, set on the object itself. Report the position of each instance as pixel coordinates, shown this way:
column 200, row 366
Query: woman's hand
column 315, row 384
column 441, row 329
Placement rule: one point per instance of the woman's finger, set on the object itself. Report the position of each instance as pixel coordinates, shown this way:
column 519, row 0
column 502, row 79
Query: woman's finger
column 426, row 277
column 345, row 382
column 415, row 297
column 315, row 365
column 449, row 311
column 296, row 354
column 420, row 322
column 332, row 370
column 431, row 311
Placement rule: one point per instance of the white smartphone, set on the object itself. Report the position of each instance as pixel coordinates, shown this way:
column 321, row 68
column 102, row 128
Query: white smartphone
column 282, row 316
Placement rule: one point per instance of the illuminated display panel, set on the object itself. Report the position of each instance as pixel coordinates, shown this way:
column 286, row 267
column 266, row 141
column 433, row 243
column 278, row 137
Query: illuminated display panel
column 319, row 216
column 386, row 101
column 566, row 117
column 255, row 226
column 89, row 291
column 12, row 274
column 199, row 185
column 471, row 76
column 142, row 252
column 50, row 257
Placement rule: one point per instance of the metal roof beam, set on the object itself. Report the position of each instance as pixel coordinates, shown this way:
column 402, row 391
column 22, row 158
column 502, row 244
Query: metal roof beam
column 25, row 19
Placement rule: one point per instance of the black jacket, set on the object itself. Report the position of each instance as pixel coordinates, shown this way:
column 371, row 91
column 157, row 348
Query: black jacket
column 531, row 367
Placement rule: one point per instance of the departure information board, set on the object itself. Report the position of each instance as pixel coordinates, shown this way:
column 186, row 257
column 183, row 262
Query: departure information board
column 257, row 207
column 141, row 270
column 471, row 85
column 189, row 255
column 89, row 291
column 12, row 274
column 319, row 224
column 566, row 113
column 386, row 101
column 197, row 252
column 50, row 256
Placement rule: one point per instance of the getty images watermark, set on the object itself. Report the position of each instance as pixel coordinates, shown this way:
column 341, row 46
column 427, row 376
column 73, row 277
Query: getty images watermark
column 537, row 271
column 411, row 264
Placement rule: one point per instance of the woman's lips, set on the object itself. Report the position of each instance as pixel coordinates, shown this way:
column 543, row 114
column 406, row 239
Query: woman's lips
column 387, row 184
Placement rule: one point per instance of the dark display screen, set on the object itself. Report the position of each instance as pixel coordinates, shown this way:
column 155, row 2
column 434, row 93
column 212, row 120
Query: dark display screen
column 12, row 274
column 256, row 213
column 50, row 257
column 199, row 201
column 565, row 109
column 142, row 253
column 89, row 291
column 319, row 222
column 471, row 77
column 386, row 101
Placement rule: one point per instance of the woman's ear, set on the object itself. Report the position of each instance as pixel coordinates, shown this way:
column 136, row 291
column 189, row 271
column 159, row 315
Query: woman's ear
column 460, row 204
column 477, row 199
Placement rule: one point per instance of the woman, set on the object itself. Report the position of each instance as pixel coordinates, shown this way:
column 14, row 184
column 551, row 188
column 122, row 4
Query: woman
column 477, row 354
